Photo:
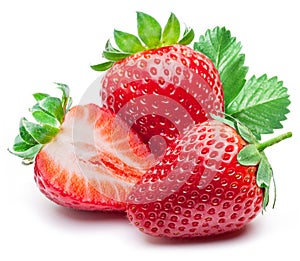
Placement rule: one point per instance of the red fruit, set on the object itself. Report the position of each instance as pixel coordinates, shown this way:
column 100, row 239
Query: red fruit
column 92, row 161
column 198, row 188
column 160, row 90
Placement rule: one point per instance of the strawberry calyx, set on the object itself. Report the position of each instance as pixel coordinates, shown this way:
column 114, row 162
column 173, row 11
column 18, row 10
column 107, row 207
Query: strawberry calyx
column 48, row 113
column 253, row 154
column 150, row 36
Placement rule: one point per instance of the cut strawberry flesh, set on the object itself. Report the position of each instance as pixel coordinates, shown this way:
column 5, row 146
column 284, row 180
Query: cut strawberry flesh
column 93, row 162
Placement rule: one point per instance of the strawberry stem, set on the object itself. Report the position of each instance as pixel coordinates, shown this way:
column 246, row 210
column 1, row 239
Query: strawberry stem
column 270, row 142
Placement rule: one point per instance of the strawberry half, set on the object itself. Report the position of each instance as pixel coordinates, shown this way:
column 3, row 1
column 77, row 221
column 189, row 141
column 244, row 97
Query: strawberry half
column 157, row 84
column 210, row 181
column 90, row 162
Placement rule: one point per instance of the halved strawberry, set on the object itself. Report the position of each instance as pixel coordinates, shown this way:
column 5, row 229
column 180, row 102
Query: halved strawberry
column 157, row 84
column 91, row 161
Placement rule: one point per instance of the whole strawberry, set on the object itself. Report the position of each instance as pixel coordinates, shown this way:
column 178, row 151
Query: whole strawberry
column 84, row 157
column 157, row 84
column 209, row 181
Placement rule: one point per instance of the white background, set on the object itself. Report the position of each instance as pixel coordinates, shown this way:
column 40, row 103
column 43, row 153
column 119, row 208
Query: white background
column 56, row 41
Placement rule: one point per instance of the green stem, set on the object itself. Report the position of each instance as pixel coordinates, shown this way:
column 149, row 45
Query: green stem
column 273, row 141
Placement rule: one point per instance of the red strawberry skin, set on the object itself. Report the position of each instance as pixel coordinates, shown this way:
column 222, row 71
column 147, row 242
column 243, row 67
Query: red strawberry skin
column 160, row 92
column 93, row 162
column 198, row 188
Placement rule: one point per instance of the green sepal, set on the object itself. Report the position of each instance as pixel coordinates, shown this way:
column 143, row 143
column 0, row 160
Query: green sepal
column 25, row 150
column 39, row 96
column 43, row 117
column 245, row 132
column 102, row 66
column 109, row 47
column 66, row 100
column 150, row 36
column 128, row 43
column 29, row 154
column 54, row 107
column 149, row 30
column 20, row 145
column 41, row 133
column 263, row 178
column 229, row 122
column 49, row 113
column 249, row 155
column 24, row 134
column 115, row 56
column 188, row 36
column 171, row 31
column 253, row 154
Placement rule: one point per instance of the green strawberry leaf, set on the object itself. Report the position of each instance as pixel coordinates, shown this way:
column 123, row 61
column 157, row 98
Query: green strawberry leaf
column 171, row 31
column 149, row 30
column 261, row 105
column 128, row 43
column 224, row 51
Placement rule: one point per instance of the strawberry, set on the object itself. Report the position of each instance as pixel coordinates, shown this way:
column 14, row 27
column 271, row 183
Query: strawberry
column 209, row 181
column 90, row 162
column 157, row 84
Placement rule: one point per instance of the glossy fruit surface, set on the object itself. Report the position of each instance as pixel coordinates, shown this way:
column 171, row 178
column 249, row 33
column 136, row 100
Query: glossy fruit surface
column 198, row 188
column 162, row 91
